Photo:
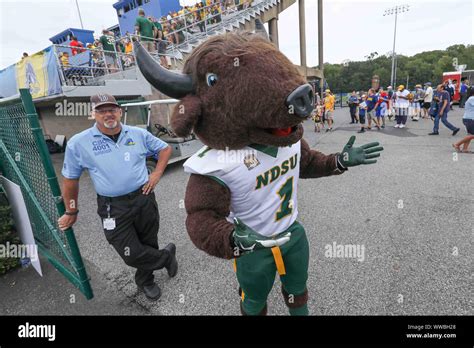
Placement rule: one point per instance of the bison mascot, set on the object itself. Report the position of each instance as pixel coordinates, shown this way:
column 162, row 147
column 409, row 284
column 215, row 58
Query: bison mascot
column 240, row 95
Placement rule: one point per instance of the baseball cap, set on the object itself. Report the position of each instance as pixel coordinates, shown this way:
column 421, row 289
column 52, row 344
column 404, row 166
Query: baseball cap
column 102, row 99
column 401, row 87
column 327, row 90
column 428, row 84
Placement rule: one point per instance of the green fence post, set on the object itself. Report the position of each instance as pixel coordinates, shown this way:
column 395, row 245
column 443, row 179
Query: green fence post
column 53, row 183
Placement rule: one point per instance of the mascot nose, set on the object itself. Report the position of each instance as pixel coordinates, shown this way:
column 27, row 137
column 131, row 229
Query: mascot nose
column 301, row 101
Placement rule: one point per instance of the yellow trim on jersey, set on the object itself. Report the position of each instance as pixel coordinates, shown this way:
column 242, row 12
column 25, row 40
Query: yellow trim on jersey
column 279, row 260
column 234, row 264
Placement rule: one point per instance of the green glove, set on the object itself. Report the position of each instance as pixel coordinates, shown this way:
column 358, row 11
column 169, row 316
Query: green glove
column 353, row 156
column 247, row 240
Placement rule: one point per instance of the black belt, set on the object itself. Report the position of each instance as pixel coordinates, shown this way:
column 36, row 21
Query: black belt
column 125, row 197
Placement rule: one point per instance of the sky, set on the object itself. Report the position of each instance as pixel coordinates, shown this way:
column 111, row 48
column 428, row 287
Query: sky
column 352, row 28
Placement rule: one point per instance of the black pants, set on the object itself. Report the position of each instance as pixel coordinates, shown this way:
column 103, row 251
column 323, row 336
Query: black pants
column 135, row 237
column 462, row 101
column 353, row 111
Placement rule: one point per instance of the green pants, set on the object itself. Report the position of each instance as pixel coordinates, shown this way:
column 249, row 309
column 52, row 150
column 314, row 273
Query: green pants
column 256, row 272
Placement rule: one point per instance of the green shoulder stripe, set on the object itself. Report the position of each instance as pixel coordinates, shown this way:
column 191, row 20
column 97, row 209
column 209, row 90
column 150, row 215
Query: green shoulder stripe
column 219, row 181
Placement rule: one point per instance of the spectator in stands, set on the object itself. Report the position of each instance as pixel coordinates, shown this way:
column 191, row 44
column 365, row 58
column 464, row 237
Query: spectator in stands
column 128, row 52
column 145, row 28
column 76, row 46
column 64, row 58
column 107, row 41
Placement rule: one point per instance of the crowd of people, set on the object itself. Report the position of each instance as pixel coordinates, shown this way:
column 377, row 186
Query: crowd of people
column 175, row 27
column 111, row 53
column 370, row 109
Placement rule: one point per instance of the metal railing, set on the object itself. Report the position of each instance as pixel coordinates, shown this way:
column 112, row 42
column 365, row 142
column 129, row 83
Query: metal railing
column 25, row 160
column 90, row 64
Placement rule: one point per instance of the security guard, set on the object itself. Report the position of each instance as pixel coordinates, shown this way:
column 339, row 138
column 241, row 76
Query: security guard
column 115, row 156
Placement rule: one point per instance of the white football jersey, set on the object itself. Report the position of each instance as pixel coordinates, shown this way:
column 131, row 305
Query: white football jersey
column 262, row 181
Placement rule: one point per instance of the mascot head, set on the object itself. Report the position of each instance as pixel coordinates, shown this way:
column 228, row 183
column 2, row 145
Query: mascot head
column 236, row 89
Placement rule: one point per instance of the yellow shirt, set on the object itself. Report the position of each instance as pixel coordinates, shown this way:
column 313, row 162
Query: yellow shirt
column 65, row 61
column 329, row 102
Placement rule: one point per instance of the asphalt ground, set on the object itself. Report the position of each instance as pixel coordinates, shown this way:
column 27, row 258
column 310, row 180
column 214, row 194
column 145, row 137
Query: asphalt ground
column 411, row 212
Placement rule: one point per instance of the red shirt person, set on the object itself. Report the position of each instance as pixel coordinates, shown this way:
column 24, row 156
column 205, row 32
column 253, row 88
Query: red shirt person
column 75, row 43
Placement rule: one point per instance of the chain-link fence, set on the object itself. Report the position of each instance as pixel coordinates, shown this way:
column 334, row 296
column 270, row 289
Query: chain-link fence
column 25, row 160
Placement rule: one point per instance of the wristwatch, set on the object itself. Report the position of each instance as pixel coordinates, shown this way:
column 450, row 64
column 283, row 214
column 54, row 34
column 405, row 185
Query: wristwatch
column 71, row 213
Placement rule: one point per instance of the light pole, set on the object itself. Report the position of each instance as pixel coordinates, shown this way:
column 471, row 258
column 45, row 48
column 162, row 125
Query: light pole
column 79, row 12
column 390, row 11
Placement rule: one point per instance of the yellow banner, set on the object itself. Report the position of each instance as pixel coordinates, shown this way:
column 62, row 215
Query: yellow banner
column 32, row 73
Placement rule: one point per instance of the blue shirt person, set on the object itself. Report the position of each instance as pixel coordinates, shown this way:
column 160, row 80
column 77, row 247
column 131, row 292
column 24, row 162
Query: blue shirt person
column 115, row 167
column 115, row 157
column 442, row 114
column 371, row 102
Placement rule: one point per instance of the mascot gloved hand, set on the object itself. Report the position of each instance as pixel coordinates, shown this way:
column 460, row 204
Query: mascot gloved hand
column 353, row 156
column 247, row 240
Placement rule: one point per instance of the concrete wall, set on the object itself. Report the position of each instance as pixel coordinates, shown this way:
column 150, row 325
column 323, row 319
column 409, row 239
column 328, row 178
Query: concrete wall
column 53, row 124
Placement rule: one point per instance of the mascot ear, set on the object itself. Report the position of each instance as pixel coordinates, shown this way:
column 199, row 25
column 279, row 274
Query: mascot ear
column 185, row 115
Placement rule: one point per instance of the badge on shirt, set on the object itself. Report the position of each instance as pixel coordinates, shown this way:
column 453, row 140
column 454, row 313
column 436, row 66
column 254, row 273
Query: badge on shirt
column 251, row 161
column 109, row 224
column 129, row 142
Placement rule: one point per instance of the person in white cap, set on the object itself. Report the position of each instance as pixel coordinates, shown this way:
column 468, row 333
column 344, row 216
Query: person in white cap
column 428, row 99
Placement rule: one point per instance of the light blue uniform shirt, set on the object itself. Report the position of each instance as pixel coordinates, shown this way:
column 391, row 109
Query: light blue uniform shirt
column 469, row 109
column 115, row 168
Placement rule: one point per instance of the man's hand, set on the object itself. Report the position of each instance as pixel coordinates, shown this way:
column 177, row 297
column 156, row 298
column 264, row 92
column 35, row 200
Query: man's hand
column 247, row 240
column 153, row 179
column 353, row 156
column 66, row 221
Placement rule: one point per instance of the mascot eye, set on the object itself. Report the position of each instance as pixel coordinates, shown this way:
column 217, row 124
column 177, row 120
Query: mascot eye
column 211, row 79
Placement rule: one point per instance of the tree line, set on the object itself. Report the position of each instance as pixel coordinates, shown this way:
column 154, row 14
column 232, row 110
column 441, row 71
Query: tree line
column 420, row 68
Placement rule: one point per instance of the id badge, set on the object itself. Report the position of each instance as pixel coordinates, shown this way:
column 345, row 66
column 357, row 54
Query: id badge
column 109, row 224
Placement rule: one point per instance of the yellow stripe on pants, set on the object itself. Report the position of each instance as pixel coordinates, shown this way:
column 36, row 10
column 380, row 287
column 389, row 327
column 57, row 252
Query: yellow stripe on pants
column 278, row 260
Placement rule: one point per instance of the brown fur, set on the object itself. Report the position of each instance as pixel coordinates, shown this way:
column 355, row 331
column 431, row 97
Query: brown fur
column 254, row 79
column 315, row 164
column 185, row 115
column 207, row 204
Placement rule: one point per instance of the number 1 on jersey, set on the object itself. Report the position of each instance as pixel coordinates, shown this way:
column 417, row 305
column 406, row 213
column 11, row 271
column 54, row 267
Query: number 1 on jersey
column 285, row 193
